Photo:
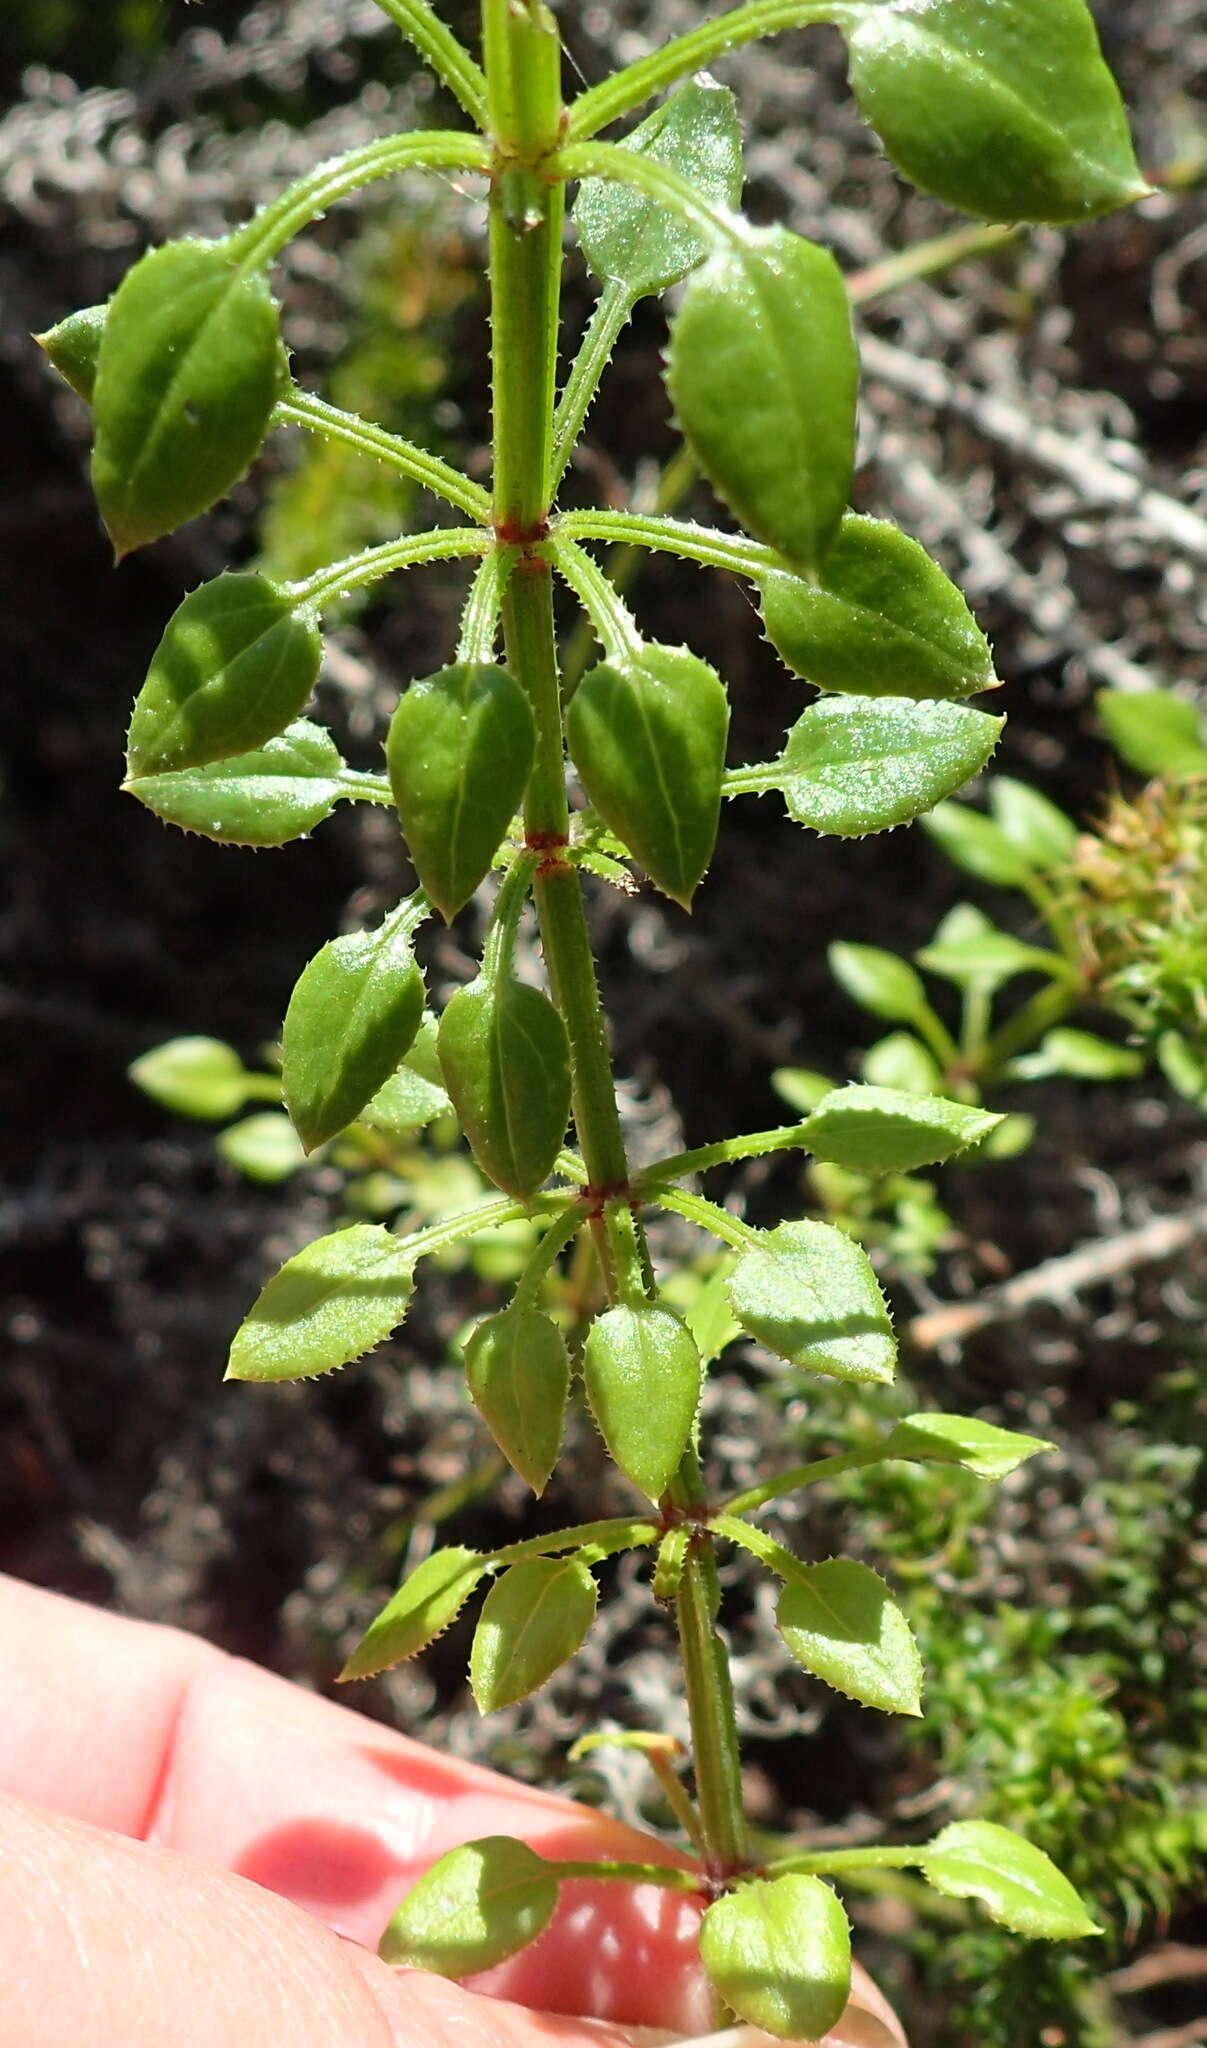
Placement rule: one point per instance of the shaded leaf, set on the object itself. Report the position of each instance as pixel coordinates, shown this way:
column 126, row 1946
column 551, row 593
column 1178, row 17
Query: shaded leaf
column 1081, row 1055
column 199, row 1077
column 350, row 1022
column 648, row 740
column 478, row 1905
column 264, row 1147
column 414, row 1095
column 626, row 236
column 987, row 959
column 980, row 1447
column 840, row 1622
column 809, row 1293
column 1002, row 107
column 534, row 1618
column 237, row 662
column 885, row 1130
column 862, row 764
column 506, row 1064
column 276, row 793
column 328, row 1305
column 978, row 845
column 423, row 1607
column 763, row 375
column 189, row 370
column 902, row 1061
column 1020, row 1886
column 878, row 981
column 1040, row 830
column 518, row 1370
column 459, row 751
column 879, row 619
column 778, row 1950
column 642, row 1373
column 1155, row 732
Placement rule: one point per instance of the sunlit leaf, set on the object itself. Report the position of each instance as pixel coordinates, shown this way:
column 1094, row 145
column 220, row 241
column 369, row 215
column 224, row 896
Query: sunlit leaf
column 534, row 1618
column 779, row 1952
column 642, row 1372
column 840, row 1622
column 809, row 1293
column 426, row 1604
column 626, row 236
column 328, row 1305
column 478, row 1905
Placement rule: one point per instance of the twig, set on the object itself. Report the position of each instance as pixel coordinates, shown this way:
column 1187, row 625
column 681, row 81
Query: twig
column 1174, row 1963
column 1058, row 1280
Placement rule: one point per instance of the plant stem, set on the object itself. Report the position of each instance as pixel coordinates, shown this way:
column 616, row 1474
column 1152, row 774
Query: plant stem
column 705, row 544
column 665, row 1874
column 263, row 239
column 302, row 409
column 441, row 545
column 785, row 1138
column 439, row 48
column 613, row 311
column 1042, row 1010
column 526, row 269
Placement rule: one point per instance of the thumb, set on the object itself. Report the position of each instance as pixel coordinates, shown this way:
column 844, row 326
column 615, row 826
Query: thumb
column 103, row 1939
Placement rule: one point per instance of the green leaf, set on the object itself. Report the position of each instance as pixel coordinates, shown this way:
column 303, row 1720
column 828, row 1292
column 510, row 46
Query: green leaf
column 801, row 1088
column 763, row 375
column 884, row 1130
column 1001, row 107
column 902, row 1061
column 979, row 1447
column 350, row 1022
column 978, row 845
column 839, row 1622
column 642, row 1373
column 423, row 1607
column 648, row 740
column 518, row 1370
column 809, row 1294
column 328, row 1305
column 478, row 1905
column 987, row 960
column 276, row 793
column 535, row 1617
column 264, row 1147
column 1031, row 822
column 1022, row 1888
column 1155, row 732
column 879, row 619
column 1012, row 1136
column 188, row 373
column 506, row 1064
column 863, row 764
column 878, row 981
column 194, row 1077
column 74, row 346
column 459, row 752
column 236, row 664
column 413, row 1096
column 629, row 239
column 779, row 1952
column 1079, row 1054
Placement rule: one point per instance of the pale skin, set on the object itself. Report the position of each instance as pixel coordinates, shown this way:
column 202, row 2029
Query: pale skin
column 194, row 1853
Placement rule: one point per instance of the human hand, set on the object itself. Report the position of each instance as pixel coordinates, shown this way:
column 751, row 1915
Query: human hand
column 184, row 1840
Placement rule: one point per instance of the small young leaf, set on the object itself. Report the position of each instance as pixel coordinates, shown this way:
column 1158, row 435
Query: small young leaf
column 642, row 1373
column 349, row 1025
column 506, row 1064
column 188, row 373
column 648, row 740
column 986, row 959
column 1002, row 107
column 535, row 1617
column 459, row 750
column 668, row 1568
column 629, row 239
column 423, row 1607
column 979, row 1447
column 265, row 798
column 880, row 619
column 863, row 764
column 1079, row 1054
column 478, row 1905
column 839, row 1622
column 779, row 1952
column 882, row 1130
column 763, row 375
column 264, row 1147
column 199, row 1077
column 74, row 346
column 518, row 1370
column 1155, row 732
column 978, row 845
column 809, row 1294
column 328, row 1305
column 902, row 1061
column 878, row 981
column 1022, row 1888
column 1040, row 830
column 235, row 666
column 801, row 1088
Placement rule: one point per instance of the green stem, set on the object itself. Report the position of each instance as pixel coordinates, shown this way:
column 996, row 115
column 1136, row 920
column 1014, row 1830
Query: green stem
column 799, row 1475
column 264, row 237
column 480, row 617
column 1028, row 1024
column 834, row 1862
column 619, row 95
column 665, row 1874
column 604, row 1537
column 341, row 578
column 656, row 181
column 758, row 778
column 613, row 311
column 785, row 1138
column 709, row 1688
column 488, row 1215
column 301, row 409
column 535, row 1273
column 707, row 1216
column 612, row 621
column 439, row 48
column 673, row 537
